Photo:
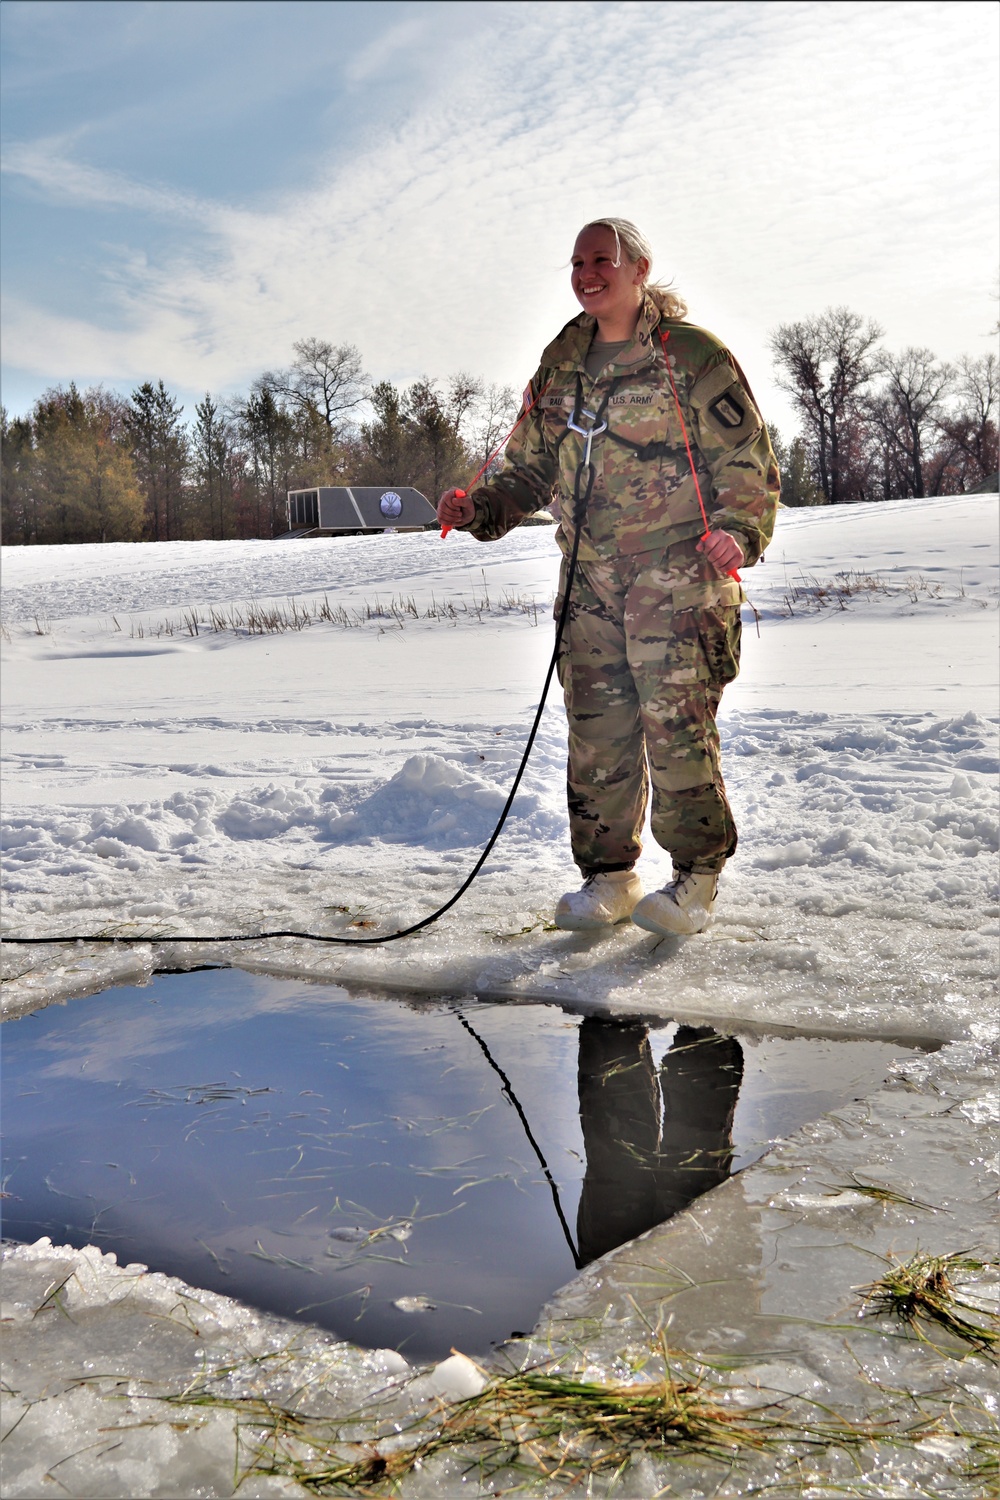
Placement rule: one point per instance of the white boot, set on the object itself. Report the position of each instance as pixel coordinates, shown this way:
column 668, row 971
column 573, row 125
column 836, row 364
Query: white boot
column 604, row 899
column 684, row 906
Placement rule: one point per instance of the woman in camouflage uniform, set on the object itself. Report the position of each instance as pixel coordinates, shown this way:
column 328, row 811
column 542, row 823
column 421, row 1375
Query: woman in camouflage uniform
column 653, row 630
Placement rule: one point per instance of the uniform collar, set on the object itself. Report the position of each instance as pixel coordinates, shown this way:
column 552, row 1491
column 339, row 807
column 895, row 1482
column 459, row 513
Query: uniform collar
column 568, row 350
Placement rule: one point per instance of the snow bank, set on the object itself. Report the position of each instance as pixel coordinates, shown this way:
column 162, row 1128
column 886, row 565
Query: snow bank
column 55, row 583
column 427, row 802
column 864, row 894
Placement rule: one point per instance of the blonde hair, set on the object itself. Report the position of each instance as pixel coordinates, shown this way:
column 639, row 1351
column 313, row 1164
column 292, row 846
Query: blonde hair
column 637, row 247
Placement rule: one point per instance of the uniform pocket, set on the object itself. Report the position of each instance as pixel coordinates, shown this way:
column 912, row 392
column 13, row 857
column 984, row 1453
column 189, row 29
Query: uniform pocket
column 674, row 649
column 683, row 630
column 720, row 631
column 719, row 592
column 703, row 645
column 706, row 624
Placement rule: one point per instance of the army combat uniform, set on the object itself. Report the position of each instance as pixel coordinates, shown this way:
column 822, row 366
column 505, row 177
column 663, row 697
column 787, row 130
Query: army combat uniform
column 653, row 631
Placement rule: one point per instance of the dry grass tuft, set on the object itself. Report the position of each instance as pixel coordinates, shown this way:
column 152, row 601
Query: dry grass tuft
column 807, row 594
column 270, row 617
column 922, row 1290
column 545, row 1425
column 883, row 1194
column 542, row 1423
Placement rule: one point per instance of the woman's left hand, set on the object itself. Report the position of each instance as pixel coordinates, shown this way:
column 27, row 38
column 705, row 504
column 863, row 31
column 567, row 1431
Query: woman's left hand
column 722, row 550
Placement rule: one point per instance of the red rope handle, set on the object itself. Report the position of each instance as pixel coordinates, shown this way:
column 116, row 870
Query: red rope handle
column 664, row 335
column 462, row 494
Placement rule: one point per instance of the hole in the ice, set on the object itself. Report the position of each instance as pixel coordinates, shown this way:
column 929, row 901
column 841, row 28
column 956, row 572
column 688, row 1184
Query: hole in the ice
column 405, row 1172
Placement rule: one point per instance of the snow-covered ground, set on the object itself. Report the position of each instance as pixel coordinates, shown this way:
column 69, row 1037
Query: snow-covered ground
column 222, row 782
column 159, row 781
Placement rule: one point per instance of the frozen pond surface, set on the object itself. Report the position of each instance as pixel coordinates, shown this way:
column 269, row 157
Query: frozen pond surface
column 403, row 1172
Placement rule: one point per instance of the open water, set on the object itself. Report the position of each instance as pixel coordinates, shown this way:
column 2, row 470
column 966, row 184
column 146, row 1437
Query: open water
column 407, row 1173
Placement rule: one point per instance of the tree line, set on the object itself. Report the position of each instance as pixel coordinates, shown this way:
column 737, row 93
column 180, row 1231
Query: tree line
column 878, row 425
column 93, row 466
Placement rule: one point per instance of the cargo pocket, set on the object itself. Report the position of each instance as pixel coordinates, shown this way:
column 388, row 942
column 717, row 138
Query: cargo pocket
column 707, row 615
column 721, row 591
column 720, row 630
column 676, row 656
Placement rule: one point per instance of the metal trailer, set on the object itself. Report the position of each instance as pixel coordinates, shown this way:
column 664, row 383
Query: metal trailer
column 334, row 510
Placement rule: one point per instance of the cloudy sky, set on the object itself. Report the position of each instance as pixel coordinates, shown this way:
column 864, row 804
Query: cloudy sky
column 189, row 188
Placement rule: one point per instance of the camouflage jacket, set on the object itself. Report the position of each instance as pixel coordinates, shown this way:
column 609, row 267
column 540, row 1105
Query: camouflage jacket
column 644, row 497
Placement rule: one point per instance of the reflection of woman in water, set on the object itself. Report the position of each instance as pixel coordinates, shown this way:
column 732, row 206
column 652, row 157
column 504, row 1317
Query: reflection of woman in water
column 653, row 1143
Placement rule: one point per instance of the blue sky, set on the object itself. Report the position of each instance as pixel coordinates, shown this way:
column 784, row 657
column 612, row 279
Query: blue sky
column 188, row 188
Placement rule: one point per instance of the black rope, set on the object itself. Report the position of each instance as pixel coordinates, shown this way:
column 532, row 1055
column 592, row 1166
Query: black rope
column 645, row 452
column 512, row 1099
column 580, row 503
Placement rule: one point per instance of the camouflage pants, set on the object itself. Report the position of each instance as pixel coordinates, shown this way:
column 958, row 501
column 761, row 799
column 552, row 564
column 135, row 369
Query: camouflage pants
column 650, row 642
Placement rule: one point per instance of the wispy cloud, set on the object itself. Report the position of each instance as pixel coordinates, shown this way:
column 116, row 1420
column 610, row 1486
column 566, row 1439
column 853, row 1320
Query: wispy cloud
column 397, row 41
column 781, row 157
column 69, row 181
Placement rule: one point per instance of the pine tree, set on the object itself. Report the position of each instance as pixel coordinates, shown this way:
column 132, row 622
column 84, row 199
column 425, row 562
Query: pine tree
column 18, row 497
column 271, row 439
column 211, row 457
column 160, row 450
column 798, row 485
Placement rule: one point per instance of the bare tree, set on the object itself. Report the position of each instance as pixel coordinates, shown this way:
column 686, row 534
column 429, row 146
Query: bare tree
column 482, row 415
column 324, row 378
column 905, row 414
column 969, row 430
column 463, row 395
column 495, row 412
column 826, row 365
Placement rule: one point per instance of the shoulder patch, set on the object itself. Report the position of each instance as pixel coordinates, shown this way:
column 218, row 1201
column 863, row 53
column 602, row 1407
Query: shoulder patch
column 725, row 407
column 727, row 411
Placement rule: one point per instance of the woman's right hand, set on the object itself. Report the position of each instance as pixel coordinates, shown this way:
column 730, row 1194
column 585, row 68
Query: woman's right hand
column 455, row 511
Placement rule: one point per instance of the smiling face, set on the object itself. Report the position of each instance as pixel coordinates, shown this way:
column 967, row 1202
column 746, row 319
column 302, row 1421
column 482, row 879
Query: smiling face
column 612, row 293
